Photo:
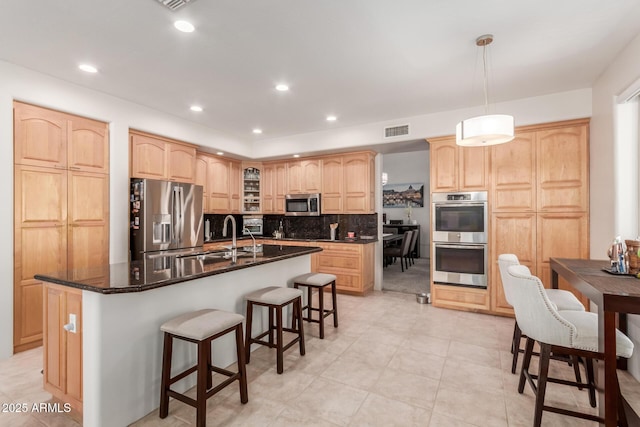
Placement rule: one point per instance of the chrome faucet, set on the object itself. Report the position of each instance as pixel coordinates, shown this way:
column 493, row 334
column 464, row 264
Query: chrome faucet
column 253, row 238
column 234, row 249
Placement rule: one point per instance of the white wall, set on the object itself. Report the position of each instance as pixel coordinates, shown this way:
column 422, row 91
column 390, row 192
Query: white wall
column 25, row 85
column 405, row 168
column 611, row 212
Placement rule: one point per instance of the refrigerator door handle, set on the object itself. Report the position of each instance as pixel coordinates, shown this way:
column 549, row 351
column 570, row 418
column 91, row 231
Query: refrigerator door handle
column 181, row 192
column 176, row 215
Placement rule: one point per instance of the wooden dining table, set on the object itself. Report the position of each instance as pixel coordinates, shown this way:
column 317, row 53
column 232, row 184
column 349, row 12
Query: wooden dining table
column 390, row 238
column 613, row 295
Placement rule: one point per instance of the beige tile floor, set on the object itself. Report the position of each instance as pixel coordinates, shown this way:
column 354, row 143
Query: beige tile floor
column 392, row 362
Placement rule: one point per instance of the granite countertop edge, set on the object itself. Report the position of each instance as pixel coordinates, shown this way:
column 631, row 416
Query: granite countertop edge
column 171, row 281
column 290, row 239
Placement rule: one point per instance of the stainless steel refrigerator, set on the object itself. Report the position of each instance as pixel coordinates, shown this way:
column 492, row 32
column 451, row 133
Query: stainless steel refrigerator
column 165, row 216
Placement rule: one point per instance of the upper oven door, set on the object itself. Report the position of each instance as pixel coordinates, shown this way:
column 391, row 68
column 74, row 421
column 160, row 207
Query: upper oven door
column 460, row 222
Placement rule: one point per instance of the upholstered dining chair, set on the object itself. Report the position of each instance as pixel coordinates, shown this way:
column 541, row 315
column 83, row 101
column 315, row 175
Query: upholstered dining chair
column 570, row 333
column 412, row 246
column 561, row 299
column 401, row 251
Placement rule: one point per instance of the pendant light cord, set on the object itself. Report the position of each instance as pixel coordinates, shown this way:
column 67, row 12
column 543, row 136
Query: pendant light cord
column 486, row 79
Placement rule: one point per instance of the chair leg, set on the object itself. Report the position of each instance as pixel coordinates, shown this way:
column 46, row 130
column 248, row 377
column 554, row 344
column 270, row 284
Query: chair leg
column 297, row 306
column 576, row 369
column 201, row 387
column 545, row 355
column 622, row 415
column 279, row 346
column 242, row 370
column 334, row 298
column 526, row 362
column 247, row 346
column 321, row 312
column 166, row 375
column 591, row 381
column 515, row 346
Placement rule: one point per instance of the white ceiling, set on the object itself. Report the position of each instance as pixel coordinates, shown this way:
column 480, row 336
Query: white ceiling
column 362, row 60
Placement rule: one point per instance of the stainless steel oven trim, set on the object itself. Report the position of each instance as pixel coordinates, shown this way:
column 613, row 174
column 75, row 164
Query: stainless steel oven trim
column 461, row 236
column 461, row 279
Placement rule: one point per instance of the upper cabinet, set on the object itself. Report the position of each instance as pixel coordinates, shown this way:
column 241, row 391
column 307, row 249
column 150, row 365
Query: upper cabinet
column 304, row 176
column 58, row 140
column 251, row 183
column 160, row 158
column 513, row 170
column 274, row 187
column 202, row 164
column 455, row 168
column 359, row 183
column 332, row 185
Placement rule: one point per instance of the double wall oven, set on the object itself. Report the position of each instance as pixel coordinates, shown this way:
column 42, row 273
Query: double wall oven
column 460, row 225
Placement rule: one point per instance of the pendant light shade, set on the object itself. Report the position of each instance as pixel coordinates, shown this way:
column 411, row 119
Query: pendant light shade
column 490, row 129
column 485, row 130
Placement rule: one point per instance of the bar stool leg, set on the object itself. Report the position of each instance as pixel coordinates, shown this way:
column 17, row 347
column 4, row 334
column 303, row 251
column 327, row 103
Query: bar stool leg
column 166, row 375
column 309, row 300
column 271, row 310
column 334, row 298
column 279, row 346
column 297, row 305
column 201, row 387
column 321, row 311
column 247, row 346
column 244, row 396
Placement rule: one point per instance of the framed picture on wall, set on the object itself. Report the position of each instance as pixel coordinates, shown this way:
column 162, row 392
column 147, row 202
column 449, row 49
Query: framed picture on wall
column 403, row 195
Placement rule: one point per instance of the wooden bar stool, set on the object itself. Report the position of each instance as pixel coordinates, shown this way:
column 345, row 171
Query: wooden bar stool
column 275, row 298
column 201, row 327
column 318, row 281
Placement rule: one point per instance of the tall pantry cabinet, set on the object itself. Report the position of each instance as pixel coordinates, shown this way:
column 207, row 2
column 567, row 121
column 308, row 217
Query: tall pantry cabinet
column 61, row 206
column 540, row 200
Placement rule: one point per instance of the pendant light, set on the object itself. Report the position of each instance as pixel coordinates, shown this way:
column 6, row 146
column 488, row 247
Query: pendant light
column 490, row 129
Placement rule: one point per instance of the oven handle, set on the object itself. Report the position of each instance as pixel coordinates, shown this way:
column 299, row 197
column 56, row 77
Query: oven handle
column 479, row 246
column 458, row 205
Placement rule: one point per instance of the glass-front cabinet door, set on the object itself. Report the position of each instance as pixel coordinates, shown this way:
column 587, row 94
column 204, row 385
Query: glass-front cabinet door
column 251, row 190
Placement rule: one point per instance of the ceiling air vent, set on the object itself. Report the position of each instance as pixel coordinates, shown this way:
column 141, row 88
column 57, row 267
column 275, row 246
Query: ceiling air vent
column 392, row 131
column 174, row 4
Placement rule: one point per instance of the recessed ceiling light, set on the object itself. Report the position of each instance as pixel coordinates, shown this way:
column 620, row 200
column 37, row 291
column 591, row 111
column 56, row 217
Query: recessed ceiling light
column 184, row 26
column 88, row 68
column 331, row 118
column 220, row 153
column 296, row 155
column 257, row 131
column 196, row 108
column 282, row 87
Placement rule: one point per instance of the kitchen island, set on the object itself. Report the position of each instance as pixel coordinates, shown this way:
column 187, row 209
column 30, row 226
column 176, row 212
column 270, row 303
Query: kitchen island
column 122, row 308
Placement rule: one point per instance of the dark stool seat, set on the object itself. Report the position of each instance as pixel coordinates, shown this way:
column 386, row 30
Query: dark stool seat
column 201, row 327
column 318, row 281
column 275, row 298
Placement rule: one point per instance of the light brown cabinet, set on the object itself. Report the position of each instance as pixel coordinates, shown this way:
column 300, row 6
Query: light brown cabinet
column 251, row 187
column 235, row 190
column 454, row 168
column 359, row 183
column 61, row 206
column 304, row 176
column 332, row 185
column 58, row 140
column 538, row 199
column 62, row 348
column 274, row 185
column 513, row 172
column 218, row 185
column 201, row 179
column 352, row 264
column 156, row 157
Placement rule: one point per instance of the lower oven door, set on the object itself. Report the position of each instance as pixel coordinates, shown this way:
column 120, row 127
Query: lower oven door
column 462, row 265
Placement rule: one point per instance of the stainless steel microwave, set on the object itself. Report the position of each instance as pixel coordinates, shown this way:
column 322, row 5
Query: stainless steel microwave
column 302, row 204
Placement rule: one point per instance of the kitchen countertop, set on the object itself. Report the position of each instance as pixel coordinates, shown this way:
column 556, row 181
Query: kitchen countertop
column 137, row 276
column 357, row 240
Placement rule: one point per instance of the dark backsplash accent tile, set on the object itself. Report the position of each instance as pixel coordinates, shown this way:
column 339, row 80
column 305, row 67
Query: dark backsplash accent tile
column 305, row 227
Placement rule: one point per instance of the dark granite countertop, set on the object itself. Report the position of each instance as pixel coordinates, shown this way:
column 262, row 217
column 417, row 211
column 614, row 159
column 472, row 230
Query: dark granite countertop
column 357, row 240
column 137, row 276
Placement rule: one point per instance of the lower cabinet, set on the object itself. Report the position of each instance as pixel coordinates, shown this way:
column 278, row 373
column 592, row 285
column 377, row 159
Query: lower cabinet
column 352, row 264
column 460, row 298
column 63, row 344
